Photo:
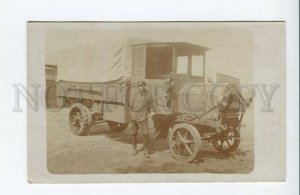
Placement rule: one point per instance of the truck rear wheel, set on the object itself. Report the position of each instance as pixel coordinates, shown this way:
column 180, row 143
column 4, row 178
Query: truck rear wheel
column 80, row 119
column 116, row 126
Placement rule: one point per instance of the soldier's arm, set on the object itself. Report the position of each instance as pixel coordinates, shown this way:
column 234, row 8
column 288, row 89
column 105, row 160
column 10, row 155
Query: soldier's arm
column 240, row 97
column 225, row 100
column 132, row 101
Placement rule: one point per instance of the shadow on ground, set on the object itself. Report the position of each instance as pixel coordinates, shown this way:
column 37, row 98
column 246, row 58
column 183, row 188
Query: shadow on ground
column 125, row 137
column 160, row 144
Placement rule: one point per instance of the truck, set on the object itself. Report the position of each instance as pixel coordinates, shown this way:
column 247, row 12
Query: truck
column 173, row 72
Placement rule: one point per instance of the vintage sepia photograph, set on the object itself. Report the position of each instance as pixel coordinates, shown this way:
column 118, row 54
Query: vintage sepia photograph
column 162, row 98
column 149, row 97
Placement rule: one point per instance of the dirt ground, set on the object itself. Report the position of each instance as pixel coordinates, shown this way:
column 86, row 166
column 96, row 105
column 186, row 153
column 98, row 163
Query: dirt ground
column 104, row 151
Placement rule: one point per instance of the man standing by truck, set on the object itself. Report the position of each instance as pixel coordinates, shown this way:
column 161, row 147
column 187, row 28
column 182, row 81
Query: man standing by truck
column 141, row 106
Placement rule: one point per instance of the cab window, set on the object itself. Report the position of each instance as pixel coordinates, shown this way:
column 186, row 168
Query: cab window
column 158, row 61
column 182, row 65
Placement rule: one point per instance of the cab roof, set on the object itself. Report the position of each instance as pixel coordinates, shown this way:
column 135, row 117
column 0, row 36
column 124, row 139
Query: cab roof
column 182, row 48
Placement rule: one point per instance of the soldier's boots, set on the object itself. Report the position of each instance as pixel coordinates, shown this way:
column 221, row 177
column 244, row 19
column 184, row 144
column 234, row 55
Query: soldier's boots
column 134, row 143
column 146, row 147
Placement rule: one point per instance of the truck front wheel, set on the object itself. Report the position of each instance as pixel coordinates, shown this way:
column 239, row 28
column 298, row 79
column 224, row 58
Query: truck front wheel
column 184, row 142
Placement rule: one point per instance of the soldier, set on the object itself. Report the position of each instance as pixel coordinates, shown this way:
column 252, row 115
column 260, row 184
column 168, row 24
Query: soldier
column 168, row 86
column 232, row 102
column 141, row 105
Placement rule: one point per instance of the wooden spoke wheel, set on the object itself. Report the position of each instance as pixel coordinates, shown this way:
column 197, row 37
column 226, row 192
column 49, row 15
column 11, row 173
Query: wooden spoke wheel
column 117, row 127
column 227, row 141
column 80, row 119
column 184, row 142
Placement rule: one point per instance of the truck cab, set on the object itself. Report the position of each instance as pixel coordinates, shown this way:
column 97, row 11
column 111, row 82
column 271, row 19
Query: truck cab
column 167, row 67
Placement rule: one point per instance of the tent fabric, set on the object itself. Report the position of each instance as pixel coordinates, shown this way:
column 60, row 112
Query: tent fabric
column 120, row 68
column 98, row 63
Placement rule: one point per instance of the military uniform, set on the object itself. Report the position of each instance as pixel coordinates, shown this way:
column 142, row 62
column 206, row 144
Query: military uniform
column 231, row 104
column 140, row 107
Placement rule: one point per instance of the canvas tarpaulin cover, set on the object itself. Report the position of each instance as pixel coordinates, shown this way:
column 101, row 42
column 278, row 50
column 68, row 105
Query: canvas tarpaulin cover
column 98, row 63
